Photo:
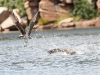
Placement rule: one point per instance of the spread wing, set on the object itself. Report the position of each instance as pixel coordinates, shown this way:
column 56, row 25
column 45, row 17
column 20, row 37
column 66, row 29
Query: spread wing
column 32, row 23
column 17, row 24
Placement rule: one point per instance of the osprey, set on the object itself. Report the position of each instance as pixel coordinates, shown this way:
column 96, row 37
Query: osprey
column 25, row 34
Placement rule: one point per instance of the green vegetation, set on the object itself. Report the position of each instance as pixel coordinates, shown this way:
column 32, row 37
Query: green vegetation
column 13, row 4
column 58, row 19
column 84, row 10
column 42, row 21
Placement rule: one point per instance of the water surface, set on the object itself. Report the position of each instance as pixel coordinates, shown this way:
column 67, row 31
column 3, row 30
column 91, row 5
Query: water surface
column 15, row 59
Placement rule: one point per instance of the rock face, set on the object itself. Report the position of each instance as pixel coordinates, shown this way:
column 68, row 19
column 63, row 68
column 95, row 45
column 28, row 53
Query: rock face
column 50, row 10
column 5, row 20
column 66, row 23
column 98, row 5
column 69, row 1
column 31, row 7
column 69, row 23
column 4, row 13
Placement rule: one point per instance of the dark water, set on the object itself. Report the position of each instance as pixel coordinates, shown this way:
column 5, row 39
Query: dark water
column 15, row 59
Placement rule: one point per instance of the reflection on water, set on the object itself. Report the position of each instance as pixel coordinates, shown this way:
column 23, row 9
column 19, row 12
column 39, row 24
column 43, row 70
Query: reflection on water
column 15, row 59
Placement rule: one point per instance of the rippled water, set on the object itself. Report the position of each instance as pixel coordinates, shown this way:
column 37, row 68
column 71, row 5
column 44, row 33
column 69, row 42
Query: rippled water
column 15, row 59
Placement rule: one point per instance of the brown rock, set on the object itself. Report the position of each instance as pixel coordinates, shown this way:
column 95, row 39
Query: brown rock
column 78, row 24
column 66, row 20
column 45, row 27
column 1, row 29
column 90, row 23
column 98, row 5
column 31, row 7
column 97, row 23
column 29, row 0
column 4, row 13
column 69, row 1
column 51, row 9
column 47, row 3
column 47, row 15
column 85, row 24
column 66, row 23
column 28, row 4
column 47, row 10
column 7, row 23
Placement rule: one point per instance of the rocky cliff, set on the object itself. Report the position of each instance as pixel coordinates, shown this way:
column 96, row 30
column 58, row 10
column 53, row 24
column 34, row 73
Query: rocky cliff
column 52, row 10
